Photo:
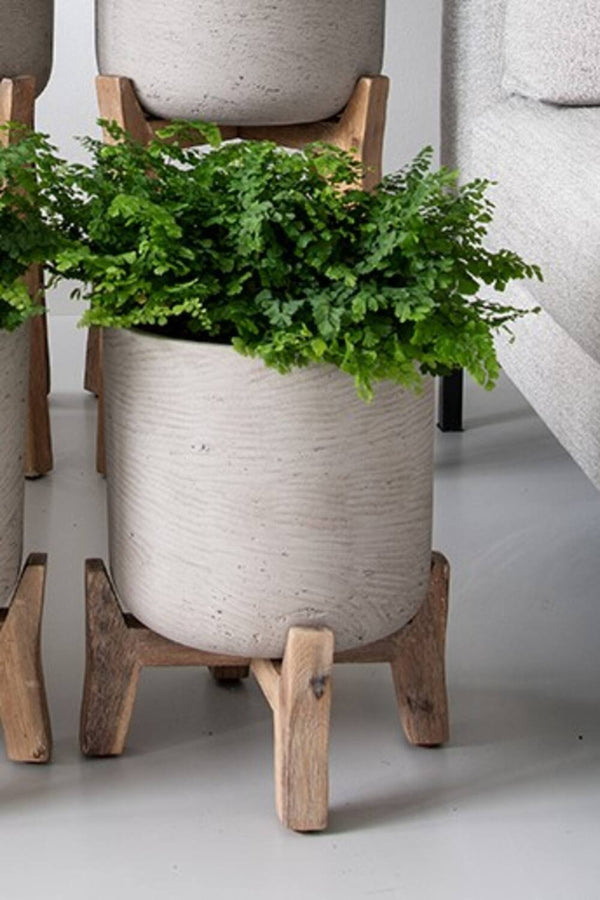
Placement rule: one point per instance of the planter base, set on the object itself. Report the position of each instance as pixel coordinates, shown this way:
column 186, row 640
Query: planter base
column 23, row 706
column 17, row 100
column 359, row 128
column 298, row 689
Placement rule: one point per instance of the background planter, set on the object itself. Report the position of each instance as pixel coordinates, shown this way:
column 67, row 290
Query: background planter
column 26, row 39
column 243, row 502
column 14, row 367
column 242, row 62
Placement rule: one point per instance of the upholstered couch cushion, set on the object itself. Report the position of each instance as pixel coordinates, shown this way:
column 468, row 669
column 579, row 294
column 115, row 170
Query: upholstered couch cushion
column 546, row 160
column 552, row 50
column 559, row 379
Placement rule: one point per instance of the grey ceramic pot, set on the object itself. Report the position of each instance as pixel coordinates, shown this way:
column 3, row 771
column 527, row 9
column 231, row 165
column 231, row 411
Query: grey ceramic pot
column 26, row 39
column 243, row 502
column 242, row 62
column 14, row 368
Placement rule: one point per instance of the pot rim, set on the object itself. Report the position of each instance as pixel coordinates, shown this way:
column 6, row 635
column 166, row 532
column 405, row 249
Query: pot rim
column 220, row 350
column 169, row 339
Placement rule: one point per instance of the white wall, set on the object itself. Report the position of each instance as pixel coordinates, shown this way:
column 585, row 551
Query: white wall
column 413, row 62
column 68, row 106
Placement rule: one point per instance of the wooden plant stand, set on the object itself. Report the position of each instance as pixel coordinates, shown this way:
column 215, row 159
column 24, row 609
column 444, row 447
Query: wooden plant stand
column 17, row 104
column 23, row 706
column 298, row 688
column 360, row 128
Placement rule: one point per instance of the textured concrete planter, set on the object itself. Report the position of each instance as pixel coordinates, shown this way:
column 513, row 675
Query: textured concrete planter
column 26, row 39
column 242, row 502
column 14, row 366
column 242, row 62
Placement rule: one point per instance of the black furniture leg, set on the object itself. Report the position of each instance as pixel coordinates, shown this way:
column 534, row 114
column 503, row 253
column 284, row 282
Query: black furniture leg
column 450, row 411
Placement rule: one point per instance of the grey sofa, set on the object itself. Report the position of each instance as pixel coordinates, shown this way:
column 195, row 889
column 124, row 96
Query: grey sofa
column 546, row 159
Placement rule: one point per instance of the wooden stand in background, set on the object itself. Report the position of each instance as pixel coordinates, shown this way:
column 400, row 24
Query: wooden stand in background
column 23, row 705
column 298, row 689
column 359, row 128
column 17, row 104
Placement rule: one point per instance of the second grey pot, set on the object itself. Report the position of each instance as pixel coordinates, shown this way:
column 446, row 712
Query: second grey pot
column 26, row 39
column 242, row 62
column 243, row 502
column 14, row 370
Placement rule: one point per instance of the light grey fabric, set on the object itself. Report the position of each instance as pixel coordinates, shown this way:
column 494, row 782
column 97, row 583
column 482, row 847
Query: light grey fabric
column 472, row 64
column 552, row 50
column 555, row 197
column 547, row 164
column 560, row 380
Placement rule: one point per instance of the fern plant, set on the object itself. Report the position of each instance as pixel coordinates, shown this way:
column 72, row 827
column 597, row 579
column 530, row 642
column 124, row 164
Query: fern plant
column 28, row 233
column 274, row 253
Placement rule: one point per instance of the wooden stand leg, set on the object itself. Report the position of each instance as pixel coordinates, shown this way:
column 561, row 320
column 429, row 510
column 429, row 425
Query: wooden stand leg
column 418, row 666
column 94, row 382
column 112, row 670
column 38, row 455
column 359, row 129
column 298, row 690
column 118, row 647
column 23, row 704
column 300, row 697
column 93, row 361
column 41, row 344
column 362, row 126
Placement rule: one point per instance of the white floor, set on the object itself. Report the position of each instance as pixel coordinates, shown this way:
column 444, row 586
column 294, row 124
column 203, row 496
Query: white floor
column 509, row 809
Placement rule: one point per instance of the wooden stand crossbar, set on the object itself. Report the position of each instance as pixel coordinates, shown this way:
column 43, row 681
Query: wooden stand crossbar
column 298, row 689
column 17, row 103
column 23, row 706
column 360, row 128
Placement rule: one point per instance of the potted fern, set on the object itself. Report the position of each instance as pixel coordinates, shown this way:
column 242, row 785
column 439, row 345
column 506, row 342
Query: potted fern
column 271, row 337
column 27, row 236
column 243, row 62
column 26, row 39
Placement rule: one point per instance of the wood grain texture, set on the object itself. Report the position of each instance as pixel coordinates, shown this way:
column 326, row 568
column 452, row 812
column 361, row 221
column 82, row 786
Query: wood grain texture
column 301, row 726
column 26, row 39
column 419, row 667
column 93, row 382
column 117, row 648
column 17, row 102
column 256, row 62
column 268, row 674
column 14, row 362
column 360, row 127
column 118, row 102
column 230, row 523
column 93, row 361
column 23, row 705
column 299, row 694
column 39, row 459
column 112, row 669
column 298, row 689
